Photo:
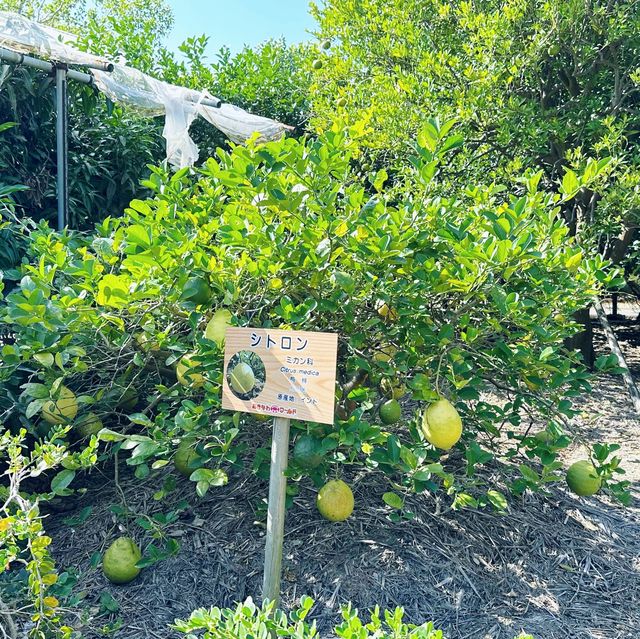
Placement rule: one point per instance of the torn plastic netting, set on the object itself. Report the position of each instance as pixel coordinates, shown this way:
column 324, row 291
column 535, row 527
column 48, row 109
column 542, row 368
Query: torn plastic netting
column 151, row 97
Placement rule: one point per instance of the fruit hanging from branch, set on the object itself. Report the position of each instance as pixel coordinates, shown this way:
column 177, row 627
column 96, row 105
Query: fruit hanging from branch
column 441, row 424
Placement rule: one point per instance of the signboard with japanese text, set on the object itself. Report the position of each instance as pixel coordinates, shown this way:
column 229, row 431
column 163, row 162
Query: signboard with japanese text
column 289, row 374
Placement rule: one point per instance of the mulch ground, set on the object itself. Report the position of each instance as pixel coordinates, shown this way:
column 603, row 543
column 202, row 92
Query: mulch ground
column 554, row 567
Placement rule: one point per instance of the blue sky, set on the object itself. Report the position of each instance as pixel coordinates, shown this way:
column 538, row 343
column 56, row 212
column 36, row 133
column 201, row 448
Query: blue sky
column 237, row 22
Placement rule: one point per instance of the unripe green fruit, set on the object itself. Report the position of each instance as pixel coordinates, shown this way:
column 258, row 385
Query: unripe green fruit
column 390, row 411
column 326, row 44
column 317, row 64
column 186, row 459
column 583, row 479
column 305, row 452
column 197, row 290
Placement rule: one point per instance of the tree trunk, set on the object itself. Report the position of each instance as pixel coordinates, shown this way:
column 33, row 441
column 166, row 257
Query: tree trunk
column 583, row 341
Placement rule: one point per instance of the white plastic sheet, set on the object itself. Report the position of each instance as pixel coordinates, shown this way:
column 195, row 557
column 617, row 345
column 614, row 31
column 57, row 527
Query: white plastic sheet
column 150, row 96
column 26, row 36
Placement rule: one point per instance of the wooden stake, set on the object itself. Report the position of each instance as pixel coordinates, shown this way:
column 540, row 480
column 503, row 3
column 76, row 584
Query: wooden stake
column 617, row 351
column 276, row 511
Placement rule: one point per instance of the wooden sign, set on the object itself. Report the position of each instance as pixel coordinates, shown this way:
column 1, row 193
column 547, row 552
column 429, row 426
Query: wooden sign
column 288, row 374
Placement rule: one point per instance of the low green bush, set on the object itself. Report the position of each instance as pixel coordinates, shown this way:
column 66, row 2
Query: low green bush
column 249, row 621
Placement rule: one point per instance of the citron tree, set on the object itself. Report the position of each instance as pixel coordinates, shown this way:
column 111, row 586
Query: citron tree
column 460, row 303
column 531, row 84
column 446, row 298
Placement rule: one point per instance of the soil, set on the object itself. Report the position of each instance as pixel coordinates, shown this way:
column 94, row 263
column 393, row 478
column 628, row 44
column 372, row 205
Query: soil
column 555, row 567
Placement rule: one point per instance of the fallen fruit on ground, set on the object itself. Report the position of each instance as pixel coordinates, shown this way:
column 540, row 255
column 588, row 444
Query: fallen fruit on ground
column 335, row 500
column 242, row 378
column 306, row 451
column 120, row 559
column 217, row 326
column 390, row 411
column 185, row 375
column 197, row 290
column 62, row 409
column 583, row 479
column 186, row 459
column 441, row 424
column 87, row 425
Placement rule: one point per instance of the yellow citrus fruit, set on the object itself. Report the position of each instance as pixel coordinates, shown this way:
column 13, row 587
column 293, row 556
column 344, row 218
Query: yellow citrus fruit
column 186, row 458
column 89, row 424
column 185, row 376
column 217, row 326
column 583, row 479
column 390, row 411
column 335, row 500
column 441, row 424
column 120, row 559
column 242, row 378
column 385, row 311
column 145, row 341
column 61, row 410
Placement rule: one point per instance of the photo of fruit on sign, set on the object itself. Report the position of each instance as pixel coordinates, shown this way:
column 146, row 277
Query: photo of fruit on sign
column 246, row 375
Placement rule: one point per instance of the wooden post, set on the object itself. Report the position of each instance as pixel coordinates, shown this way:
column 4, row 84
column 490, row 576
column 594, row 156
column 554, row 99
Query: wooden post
column 276, row 511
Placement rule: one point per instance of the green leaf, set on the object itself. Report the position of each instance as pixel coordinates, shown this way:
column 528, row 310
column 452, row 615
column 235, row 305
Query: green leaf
column 393, row 500
column 62, row 480
column 46, row 359
column 113, row 291
column 215, row 477
column 497, row 499
column 570, row 184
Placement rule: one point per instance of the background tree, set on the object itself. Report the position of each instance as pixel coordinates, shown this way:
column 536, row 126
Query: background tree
column 532, row 84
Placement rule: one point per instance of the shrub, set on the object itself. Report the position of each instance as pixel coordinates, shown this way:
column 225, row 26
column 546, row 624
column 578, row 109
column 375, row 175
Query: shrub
column 249, row 620
column 479, row 288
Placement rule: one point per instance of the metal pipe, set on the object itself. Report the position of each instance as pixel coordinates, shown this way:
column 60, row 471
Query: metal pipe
column 216, row 103
column 13, row 57
column 62, row 182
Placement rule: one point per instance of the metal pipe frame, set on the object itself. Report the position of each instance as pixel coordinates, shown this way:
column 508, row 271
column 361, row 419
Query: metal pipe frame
column 62, row 74
column 13, row 57
column 62, row 147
